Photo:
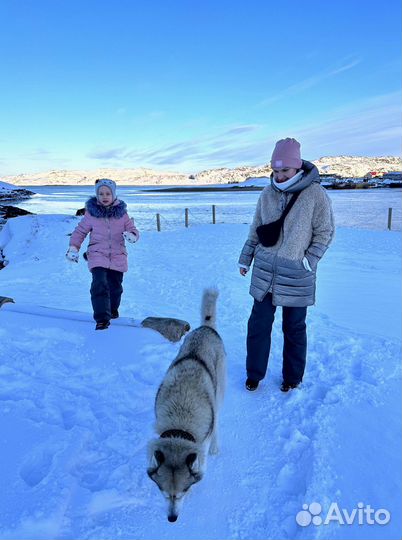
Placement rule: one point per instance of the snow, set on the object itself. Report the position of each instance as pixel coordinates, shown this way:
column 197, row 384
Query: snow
column 77, row 405
column 8, row 188
column 259, row 181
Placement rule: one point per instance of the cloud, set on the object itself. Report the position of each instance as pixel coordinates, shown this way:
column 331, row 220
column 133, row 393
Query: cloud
column 308, row 83
column 343, row 68
column 241, row 129
column 370, row 127
column 156, row 115
column 202, row 149
column 252, row 153
column 48, row 158
column 39, row 154
column 112, row 153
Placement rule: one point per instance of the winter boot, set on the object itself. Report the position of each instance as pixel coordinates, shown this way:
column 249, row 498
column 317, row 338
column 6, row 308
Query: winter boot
column 252, row 385
column 285, row 387
column 102, row 325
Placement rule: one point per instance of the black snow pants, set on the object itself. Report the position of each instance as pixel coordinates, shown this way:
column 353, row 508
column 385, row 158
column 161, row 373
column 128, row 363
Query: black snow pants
column 106, row 291
column 259, row 340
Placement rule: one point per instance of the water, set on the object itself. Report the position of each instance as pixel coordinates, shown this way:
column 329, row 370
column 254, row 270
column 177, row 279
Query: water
column 366, row 209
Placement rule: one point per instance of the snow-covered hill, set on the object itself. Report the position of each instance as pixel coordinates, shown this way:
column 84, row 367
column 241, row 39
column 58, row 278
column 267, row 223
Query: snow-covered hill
column 345, row 166
column 140, row 176
column 357, row 166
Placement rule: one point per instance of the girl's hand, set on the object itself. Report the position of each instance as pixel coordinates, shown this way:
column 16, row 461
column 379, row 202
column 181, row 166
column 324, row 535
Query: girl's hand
column 130, row 237
column 72, row 254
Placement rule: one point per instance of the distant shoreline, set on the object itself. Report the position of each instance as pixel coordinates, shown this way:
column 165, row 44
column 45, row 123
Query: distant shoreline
column 214, row 188
column 199, row 188
column 257, row 188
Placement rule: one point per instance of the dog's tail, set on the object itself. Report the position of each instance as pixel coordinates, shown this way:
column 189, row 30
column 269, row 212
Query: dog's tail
column 208, row 307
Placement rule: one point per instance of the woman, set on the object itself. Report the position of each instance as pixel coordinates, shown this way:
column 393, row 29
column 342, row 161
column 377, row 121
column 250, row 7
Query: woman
column 284, row 273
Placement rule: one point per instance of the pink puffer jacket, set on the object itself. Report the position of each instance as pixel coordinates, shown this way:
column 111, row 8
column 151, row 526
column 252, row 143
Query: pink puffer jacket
column 106, row 225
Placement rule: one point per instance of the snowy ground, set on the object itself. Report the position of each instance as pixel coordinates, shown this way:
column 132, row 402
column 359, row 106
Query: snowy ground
column 76, row 406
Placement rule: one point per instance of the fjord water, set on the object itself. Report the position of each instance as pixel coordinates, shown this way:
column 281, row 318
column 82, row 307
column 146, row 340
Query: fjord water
column 363, row 208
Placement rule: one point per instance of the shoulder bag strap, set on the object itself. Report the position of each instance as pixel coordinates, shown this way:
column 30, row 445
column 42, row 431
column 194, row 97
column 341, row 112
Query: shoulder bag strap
column 289, row 205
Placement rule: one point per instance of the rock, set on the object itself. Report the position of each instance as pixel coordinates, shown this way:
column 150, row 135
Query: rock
column 5, row 300
column 10, row 192
column 7, row 212
column 3, row 264
column 16, row 195
column 171, row 329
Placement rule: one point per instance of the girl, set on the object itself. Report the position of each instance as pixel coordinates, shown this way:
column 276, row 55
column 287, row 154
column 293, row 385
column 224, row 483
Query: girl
column 107, row 221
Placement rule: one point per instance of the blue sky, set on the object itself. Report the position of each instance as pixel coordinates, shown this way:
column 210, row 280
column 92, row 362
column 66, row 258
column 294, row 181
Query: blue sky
column 188, row 85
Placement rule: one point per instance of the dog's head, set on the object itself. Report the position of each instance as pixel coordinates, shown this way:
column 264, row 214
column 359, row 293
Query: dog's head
column 174, row 465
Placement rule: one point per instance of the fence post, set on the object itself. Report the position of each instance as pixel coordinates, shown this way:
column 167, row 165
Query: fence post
column 186, row 217
column 158, row 222
column 389, row 218
column 213, row 215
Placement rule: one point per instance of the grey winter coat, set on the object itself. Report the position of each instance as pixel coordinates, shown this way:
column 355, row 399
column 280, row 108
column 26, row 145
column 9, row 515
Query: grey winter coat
column 307, row 232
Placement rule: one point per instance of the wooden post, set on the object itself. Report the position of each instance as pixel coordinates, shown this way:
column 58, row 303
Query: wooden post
column 213, row 214
column 158, row 222
column 389, row 218
column 186, row 217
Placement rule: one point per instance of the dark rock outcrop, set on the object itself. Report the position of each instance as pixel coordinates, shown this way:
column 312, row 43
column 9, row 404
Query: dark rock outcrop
column 15, row 194
column 7, row 212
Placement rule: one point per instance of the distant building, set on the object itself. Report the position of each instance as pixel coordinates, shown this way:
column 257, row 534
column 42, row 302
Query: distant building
column 373, row 174
column 330, row 175
column 392, row 179
column 394, row 175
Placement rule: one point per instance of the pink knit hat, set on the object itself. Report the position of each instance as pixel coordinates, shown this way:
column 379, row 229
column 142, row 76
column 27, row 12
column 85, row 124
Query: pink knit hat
column 286, row 154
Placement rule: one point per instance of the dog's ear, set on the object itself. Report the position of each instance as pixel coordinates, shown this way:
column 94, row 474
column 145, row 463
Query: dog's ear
column 158, row 458
column 192, row 462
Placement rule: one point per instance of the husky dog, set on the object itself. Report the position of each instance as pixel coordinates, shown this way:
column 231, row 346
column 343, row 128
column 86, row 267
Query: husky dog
column 186, row 410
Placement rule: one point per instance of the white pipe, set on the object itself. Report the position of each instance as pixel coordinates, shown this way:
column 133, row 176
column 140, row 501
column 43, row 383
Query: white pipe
column 56, row 313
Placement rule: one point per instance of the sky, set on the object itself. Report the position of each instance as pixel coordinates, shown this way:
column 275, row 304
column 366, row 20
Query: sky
column 187, row 86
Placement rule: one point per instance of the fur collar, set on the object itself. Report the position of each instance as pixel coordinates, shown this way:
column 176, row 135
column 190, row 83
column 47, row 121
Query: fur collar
column 116, row 210
column 310, row 176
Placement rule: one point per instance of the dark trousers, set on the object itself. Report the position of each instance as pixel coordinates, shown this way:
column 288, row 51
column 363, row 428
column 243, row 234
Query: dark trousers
column 106, row 291
column 259, row 340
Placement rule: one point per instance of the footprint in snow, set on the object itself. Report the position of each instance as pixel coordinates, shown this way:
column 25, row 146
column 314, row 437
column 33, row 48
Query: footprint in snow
column 37, row 466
